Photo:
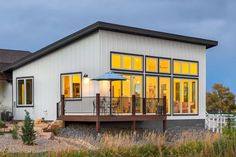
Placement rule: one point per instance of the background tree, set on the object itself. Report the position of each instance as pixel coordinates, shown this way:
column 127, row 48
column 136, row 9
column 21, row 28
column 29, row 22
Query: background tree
column 220, row 100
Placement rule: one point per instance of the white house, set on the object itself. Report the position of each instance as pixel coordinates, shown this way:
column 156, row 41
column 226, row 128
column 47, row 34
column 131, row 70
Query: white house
column 155, row 64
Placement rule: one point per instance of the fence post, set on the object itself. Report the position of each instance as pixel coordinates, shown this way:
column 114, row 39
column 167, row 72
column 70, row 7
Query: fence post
column 213, row 123
column 133, row 112
column 164, row 121
column 97, row 112
column 62, row 105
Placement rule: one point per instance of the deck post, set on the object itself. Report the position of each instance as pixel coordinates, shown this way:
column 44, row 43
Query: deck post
column 133, row 112
column 62, row 105
column 144, row 106
column 97, row 112
column 164, row 121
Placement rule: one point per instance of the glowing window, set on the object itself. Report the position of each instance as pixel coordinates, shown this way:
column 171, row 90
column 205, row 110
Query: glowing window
column 127, row 62
column 164, row 65
column 185, row 68
column 164, row 90
column 151, row 64
column 71, row 85
column 185, row 96
column 25, row 92
column 177, row 67
column 151, row 93
column 138, row 63
column 116, row 61
column 193, row 69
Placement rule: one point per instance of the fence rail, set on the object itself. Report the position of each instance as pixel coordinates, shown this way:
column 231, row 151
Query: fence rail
column 216, row 122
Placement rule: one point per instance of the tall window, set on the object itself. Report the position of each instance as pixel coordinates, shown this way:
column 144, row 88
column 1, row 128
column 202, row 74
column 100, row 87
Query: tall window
column 185, row 96
column 24, row 92
column 151, row 94
column 185, row 67
column 133, row 85
column 164, row 90
column 71, row 85
column 122, row 61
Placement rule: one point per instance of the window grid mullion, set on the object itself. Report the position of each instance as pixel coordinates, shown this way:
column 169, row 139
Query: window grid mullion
column 181, row 92
column 71, row 84
column 25, row 92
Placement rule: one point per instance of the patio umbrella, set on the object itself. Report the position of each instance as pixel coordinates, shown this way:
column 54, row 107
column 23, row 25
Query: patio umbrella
column 110, row 76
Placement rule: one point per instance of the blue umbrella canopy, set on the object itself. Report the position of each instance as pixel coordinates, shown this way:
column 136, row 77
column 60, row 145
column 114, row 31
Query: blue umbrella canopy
column 109, row 76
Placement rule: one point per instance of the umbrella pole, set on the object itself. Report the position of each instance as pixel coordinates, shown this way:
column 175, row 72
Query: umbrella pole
column 110, row 97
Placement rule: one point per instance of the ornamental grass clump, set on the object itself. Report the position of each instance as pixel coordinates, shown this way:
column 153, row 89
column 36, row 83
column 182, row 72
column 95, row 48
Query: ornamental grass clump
column 28, row 134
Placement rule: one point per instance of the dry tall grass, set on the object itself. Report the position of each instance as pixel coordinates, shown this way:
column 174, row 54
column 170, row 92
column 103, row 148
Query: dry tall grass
column 188, row 143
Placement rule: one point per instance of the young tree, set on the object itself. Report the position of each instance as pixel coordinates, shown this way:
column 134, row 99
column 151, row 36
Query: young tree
column 28, row 134
column 220, row 100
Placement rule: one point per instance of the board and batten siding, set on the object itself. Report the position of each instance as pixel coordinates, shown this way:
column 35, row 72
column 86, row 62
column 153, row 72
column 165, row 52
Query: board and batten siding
column 80, row 56
column 6, row 95
column 134, row 44
column 91, row 55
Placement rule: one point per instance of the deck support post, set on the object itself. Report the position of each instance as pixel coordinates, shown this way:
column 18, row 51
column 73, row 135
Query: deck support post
column 164, row 120
column 133, row 113
column 62, row 105
column 97, row 112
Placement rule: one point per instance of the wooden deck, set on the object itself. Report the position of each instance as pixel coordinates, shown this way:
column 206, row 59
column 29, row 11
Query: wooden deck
column 110, row 118
column 98, row 118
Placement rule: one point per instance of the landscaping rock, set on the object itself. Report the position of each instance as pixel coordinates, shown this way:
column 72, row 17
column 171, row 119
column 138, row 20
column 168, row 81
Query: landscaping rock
column 54, row 125
column 38, row 121
column 47, row 135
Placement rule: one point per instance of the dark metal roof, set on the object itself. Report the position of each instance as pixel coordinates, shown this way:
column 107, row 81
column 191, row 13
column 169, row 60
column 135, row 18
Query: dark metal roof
column 110, row 27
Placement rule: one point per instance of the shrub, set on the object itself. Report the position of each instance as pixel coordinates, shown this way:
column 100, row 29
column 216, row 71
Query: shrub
column 2, row 125
column 14, row 133
column 28, row 134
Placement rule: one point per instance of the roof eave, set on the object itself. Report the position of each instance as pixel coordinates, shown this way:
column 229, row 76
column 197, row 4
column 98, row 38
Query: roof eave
column 110, row 27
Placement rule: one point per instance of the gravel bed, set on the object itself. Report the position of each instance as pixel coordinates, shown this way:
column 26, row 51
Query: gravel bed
column 7, row 144
column 88, row 133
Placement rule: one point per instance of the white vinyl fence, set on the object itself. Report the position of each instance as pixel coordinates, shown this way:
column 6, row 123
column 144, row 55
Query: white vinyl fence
column 216, row 122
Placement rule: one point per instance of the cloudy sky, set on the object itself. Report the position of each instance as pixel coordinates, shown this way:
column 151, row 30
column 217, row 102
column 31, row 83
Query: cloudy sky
column 31, row 25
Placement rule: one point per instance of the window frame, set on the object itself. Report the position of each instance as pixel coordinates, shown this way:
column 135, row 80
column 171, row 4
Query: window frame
column 189, row 62
column 185, row 114
column 17, row 96
column 158, row 89
column 165, row 58
column 61, row 85
column 158, row 65
column 132, row 61
column 153, row 57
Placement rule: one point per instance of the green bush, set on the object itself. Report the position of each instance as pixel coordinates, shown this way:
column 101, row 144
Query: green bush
column 2, row 125
column 14, row 133
column 28, row 134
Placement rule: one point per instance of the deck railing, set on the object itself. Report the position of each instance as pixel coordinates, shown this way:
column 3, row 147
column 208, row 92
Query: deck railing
column 128, row 107
column 111, row 106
